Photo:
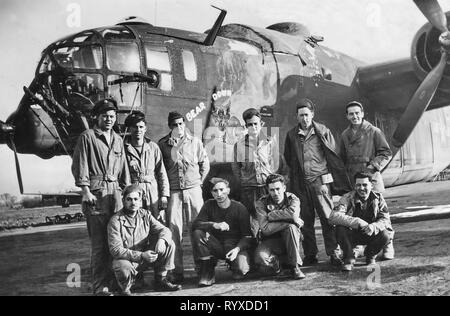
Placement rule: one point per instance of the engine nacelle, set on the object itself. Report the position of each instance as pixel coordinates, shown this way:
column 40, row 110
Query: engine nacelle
column 426, row 54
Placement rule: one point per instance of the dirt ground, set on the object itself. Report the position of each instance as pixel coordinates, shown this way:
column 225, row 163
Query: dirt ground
column 37, row 262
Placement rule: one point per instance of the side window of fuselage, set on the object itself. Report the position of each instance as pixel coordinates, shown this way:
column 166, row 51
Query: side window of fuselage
column 189, row 65
column 158, row 60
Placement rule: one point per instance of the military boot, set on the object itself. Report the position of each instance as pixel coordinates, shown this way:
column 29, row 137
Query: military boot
column 207, row 273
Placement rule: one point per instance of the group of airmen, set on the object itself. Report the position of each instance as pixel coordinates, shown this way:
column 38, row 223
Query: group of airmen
column 138, row 197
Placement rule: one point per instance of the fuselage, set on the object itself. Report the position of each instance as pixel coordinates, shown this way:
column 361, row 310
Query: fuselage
column 212, row 86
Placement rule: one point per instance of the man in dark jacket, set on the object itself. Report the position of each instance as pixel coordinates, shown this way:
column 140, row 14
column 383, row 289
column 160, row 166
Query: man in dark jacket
column 362, row 218
column 316, row 172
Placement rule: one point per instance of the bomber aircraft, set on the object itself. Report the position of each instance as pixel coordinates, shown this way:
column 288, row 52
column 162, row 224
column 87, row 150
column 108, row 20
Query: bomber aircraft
column 213, row 77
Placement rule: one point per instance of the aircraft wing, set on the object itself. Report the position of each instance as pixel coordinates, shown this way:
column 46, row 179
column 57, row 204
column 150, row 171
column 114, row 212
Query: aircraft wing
column 390, row 86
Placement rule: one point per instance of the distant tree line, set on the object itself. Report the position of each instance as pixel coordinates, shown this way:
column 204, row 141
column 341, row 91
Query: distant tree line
column 12, row 202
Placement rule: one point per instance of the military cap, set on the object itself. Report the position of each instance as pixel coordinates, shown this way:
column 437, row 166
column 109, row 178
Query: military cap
column 174, row 116
column 249, row 113
column 134, row 118
column 104, row 105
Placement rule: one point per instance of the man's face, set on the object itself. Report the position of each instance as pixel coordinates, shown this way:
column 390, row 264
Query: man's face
column 363, row 188
column 106, row 120
column 132, row 202
column 305, row 117
column 138, row 131
column 254, row 126
column 276, row 191
column 178, row 127
column 220, row 192
column 355, row 115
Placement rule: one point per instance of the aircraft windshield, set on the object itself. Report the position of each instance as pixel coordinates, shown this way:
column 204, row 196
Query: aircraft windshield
column 123, row 57
column 77, row 57
column 83, row 86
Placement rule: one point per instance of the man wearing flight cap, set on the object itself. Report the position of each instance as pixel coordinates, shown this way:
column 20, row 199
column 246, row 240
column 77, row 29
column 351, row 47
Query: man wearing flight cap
column 187, row 166
column 146, row 165
column 221, row 231
column 100, row 170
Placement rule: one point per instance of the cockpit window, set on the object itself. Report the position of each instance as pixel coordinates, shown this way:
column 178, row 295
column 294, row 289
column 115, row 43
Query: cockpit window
column 123, row 57
column 158, row 60
column 84, row 89
column 84, row 37
column 46, row 65
column 118, row 32
column 125, row 93
column 77, row 57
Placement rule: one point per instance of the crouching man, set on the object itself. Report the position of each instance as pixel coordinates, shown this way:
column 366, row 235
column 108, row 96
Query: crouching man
column 221, row 231
column 137, row 241
column 362, row 218
column 278, row 215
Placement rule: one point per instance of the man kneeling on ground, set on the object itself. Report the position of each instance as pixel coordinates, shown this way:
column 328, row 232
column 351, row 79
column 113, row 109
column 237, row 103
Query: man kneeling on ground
column 362, row 218
column 221, row 231
column 278, row 215
column 136, row 241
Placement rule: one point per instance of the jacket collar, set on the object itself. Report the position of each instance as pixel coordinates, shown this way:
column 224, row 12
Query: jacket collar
column 100, row 134
column 171, row 142
column 262, row 139
column 132, row 151
column 125, row 219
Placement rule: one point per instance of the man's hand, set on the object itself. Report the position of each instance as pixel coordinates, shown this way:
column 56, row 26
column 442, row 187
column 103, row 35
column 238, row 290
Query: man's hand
column 163, row 203
column 298, row 222
column 160, row 246
column 368, row 230
column 221, row 226
column 149, row 256
column 87, row 196
column 232, row 254
column 362, row 223
column 324, row 189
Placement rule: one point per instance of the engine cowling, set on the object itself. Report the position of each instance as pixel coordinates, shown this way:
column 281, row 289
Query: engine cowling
column 426, row 54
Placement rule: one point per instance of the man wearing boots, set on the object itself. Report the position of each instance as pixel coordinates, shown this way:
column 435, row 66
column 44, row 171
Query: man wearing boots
column 256, row 156
column 362, row 218
column 100, row 170
column 221, row 231
column 316, row 172
column 187, row 166
column 364, row 149
column 279, row 220
column 137, row 241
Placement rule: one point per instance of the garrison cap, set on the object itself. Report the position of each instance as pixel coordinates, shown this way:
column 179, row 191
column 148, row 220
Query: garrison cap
column 104, row 105
column 249, row 113
column 134, row 118
column 174, row 116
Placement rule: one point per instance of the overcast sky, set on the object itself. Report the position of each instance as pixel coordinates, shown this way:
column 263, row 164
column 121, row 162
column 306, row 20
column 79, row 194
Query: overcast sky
column 372, row 31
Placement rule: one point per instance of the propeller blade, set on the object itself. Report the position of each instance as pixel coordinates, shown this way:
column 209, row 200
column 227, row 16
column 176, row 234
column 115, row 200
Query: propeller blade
column 419, row 103
column 434, row 13
column 16, row 157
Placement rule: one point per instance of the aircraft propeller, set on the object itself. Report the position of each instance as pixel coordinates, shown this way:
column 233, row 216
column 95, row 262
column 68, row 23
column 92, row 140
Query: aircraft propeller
column 425, row 93
column 7, row 133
